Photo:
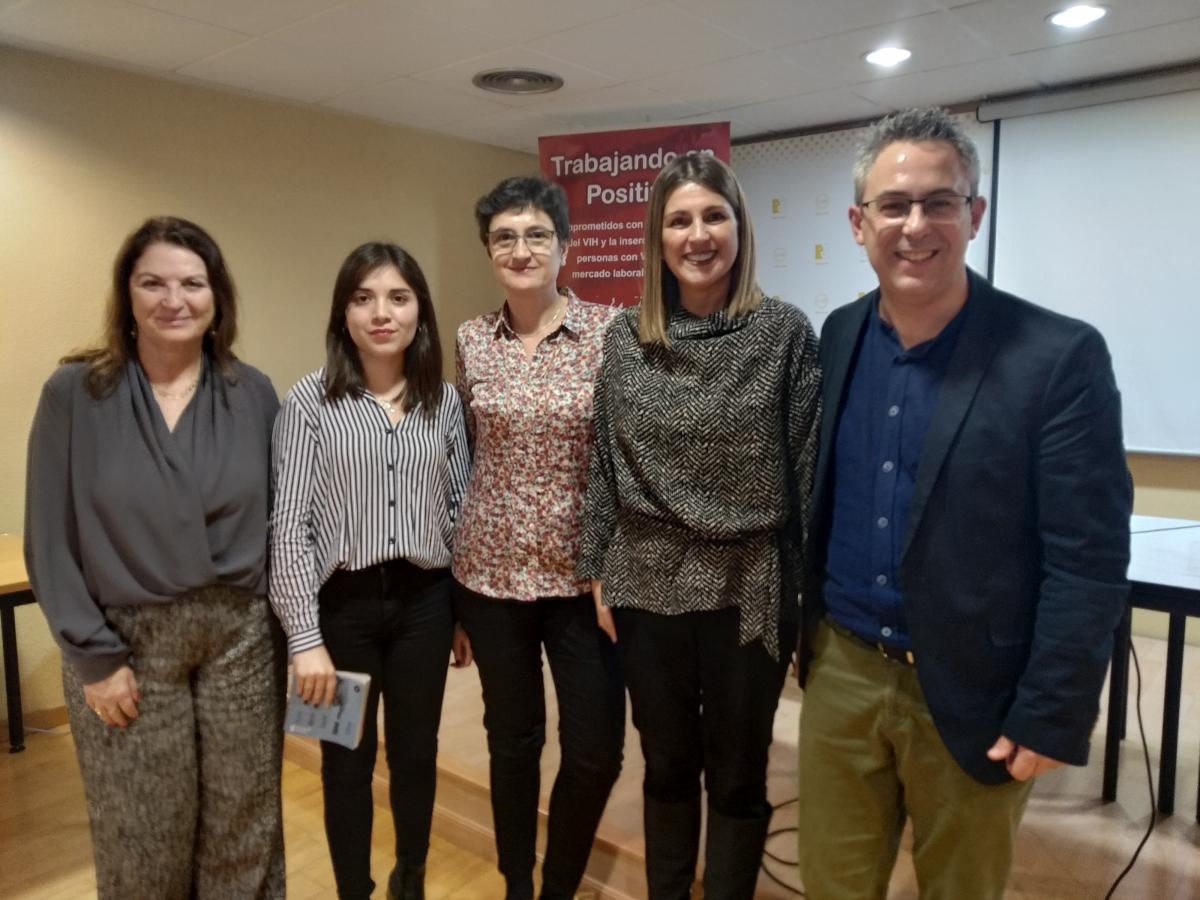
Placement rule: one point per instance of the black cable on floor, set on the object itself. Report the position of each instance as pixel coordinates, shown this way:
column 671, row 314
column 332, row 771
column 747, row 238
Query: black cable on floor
column 767, row 854
column 1149, row 776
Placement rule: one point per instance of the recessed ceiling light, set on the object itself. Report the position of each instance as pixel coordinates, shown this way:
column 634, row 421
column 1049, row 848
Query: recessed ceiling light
column 1078, row 16
column 888, row 56
column 517, row 81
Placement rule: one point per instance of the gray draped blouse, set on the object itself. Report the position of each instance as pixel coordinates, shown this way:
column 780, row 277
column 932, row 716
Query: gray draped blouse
column 122, row 511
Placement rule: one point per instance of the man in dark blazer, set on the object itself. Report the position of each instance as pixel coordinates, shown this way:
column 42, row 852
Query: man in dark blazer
column 970, row 542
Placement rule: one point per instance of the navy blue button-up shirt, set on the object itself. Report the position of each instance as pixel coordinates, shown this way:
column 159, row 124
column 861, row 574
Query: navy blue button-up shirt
column 889, row 402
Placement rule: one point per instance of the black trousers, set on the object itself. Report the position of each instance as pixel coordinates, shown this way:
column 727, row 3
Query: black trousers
column 393, row 621
column 507, row 638
column 701, row 704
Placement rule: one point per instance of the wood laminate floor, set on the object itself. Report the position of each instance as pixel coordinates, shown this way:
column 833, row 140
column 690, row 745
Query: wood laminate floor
column 1071, row 845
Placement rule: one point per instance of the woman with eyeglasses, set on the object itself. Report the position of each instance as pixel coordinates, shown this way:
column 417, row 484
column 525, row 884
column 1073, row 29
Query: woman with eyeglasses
column 706, row 422
column 525, row 375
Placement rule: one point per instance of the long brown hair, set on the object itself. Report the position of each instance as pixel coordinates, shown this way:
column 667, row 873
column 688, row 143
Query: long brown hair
column 422, row 358
column 118, row 343
column 660, row 287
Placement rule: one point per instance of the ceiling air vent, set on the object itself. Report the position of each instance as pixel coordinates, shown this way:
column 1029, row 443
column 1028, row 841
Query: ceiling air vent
column 517, row 81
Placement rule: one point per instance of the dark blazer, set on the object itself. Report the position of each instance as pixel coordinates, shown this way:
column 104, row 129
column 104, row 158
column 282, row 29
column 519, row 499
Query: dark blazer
column 1015, row 552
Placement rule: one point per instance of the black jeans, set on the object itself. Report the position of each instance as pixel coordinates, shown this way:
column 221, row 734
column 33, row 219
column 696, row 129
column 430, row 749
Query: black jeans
column 393, row 621
column 701, row 703
column 507, row 639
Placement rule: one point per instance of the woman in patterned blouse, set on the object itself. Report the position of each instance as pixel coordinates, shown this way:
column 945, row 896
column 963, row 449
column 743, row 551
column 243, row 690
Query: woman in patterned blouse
column 706, row 413
column 525, row 375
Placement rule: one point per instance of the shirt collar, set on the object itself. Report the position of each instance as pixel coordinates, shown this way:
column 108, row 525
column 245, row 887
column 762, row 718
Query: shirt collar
column 570, row 325
column 918, row 351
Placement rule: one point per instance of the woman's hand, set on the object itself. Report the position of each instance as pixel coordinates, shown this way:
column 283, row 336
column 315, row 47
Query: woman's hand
column 314, row 676
column 604, row 616
column 460, row 646
column 115, row 698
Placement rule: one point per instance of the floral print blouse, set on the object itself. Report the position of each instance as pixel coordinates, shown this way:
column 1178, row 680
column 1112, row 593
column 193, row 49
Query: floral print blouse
column 529, row 421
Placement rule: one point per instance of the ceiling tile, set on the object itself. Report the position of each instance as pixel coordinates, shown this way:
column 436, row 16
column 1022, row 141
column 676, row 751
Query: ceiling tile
column 936, row 40
column 520, row 21
column 265, row 67
column 118, row 31
column 1018, row 25
column 777, row 23
column 944, row 87
column 737, row 128
column 257, row 17
column 1148, row 48
column 516, row 129
column 415, row 103
column 807, row 110
column 387, row 34
column 643, row 43
column 622, row 106
column 458, row 75
column 734, row 82
column 767, row 65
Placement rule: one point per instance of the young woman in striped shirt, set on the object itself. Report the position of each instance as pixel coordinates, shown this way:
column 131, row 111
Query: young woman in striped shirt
column 371, row 462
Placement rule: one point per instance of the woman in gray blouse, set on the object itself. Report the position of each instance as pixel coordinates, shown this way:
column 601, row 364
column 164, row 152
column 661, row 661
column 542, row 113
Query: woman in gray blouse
column 706, row 414
column 371, row 462
column 145, row 540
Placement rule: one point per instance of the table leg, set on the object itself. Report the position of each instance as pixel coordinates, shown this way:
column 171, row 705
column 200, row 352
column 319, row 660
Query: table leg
column 1118, row 691
column 1170, row 728
column 12, row 681
column 1125, row 663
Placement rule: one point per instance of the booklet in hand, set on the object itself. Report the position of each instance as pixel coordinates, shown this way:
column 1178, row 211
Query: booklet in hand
column 341, row 721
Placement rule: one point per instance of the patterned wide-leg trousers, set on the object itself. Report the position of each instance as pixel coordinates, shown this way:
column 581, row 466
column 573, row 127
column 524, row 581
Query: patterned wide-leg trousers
column 185, row 802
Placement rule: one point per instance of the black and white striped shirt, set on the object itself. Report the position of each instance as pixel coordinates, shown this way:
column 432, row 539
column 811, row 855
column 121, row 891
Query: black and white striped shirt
column 353, row 490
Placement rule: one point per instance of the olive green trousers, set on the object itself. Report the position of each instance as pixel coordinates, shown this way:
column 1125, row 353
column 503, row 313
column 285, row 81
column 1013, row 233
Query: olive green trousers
column 870, row 756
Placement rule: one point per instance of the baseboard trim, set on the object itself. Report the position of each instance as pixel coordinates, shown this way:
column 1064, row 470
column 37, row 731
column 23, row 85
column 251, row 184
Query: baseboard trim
column 54, row 717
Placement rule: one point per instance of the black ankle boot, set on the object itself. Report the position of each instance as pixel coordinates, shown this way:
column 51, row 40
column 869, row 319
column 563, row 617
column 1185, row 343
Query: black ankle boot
column 406, row 882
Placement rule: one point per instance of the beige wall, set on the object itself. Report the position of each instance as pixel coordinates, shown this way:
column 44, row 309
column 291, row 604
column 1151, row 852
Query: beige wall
column 87, row 153
column 1165, row 486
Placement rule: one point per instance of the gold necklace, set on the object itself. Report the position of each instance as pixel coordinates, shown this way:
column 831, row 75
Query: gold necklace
column 390, row 406
column 175, row 395
column 549, row 326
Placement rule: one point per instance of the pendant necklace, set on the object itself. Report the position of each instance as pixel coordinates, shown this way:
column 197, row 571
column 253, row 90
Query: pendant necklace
column 175, row 395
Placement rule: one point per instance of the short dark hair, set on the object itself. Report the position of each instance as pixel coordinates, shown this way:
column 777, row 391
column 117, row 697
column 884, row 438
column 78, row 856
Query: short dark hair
column 422, row 359
column 925, row 123
column 523, row 192
column 119, row 342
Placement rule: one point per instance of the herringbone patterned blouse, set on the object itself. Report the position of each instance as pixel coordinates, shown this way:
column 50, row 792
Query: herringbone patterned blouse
column 702, row 465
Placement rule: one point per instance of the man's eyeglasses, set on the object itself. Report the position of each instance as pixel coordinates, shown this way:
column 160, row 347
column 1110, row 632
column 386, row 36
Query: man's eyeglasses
column 537, row 240
column 937, row 207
